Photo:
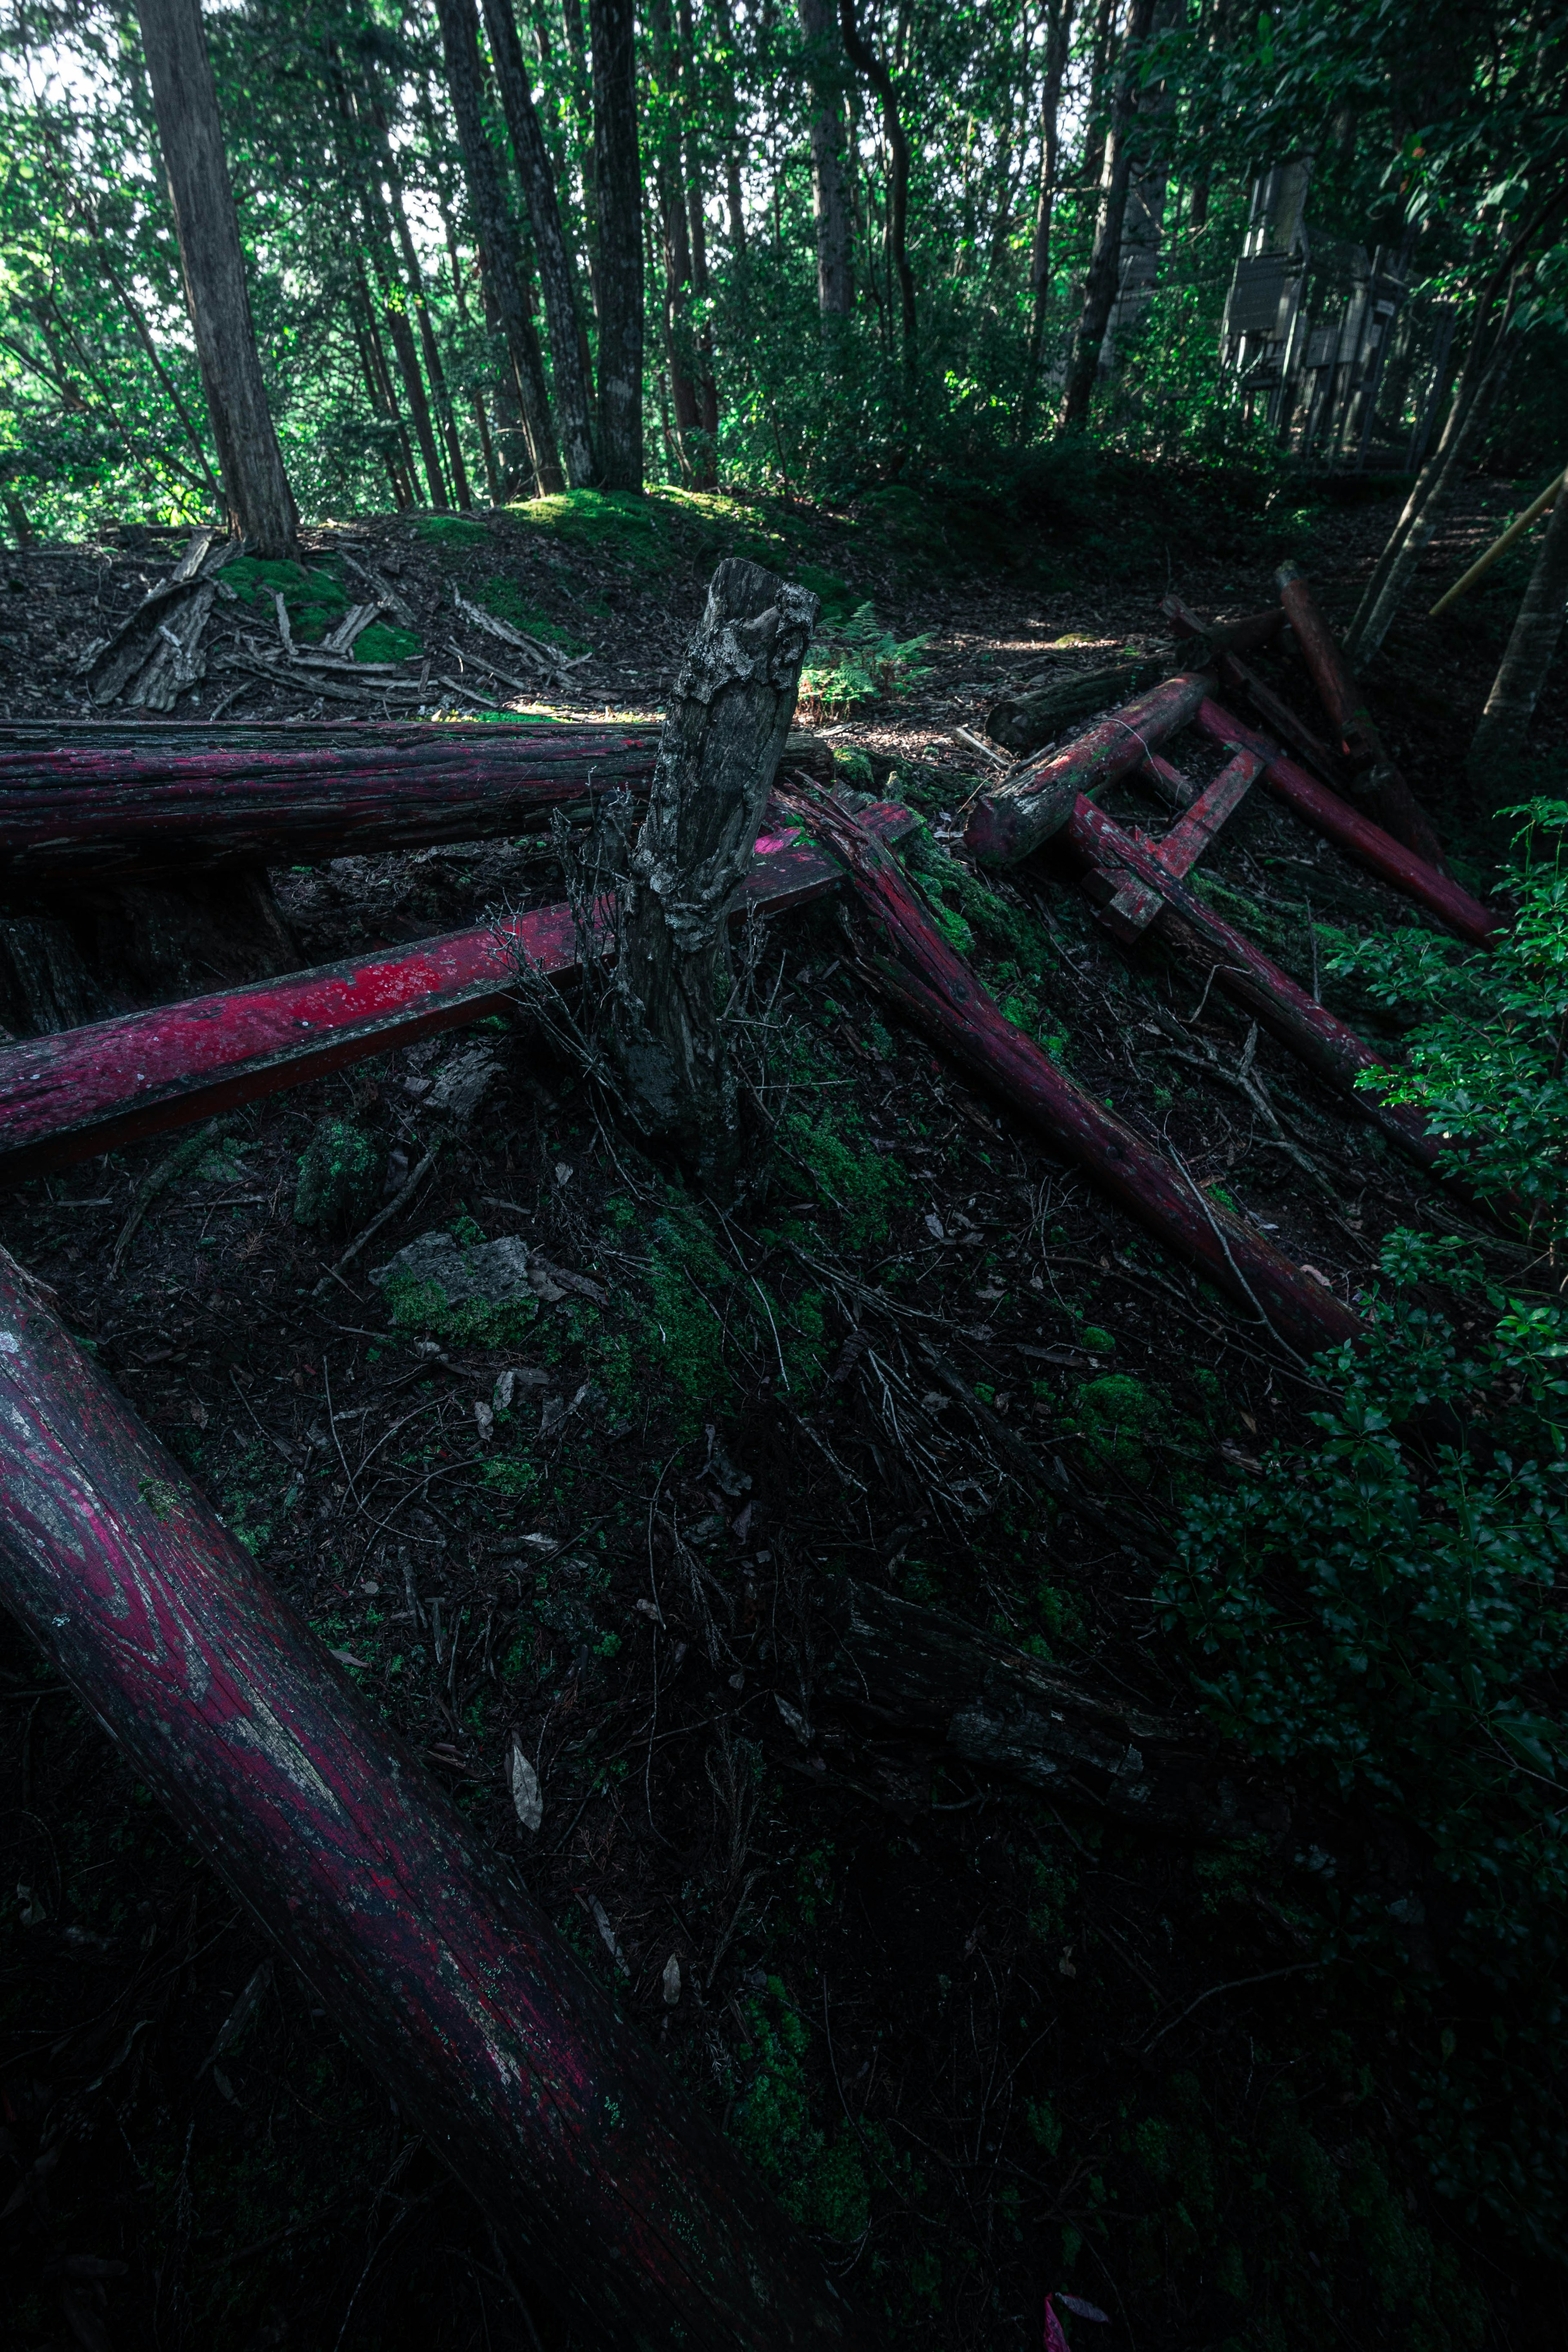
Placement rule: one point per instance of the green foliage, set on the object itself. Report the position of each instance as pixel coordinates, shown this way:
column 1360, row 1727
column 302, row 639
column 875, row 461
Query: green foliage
column 339, row 1177
column 1485, row 1064
column 315, row 600
column 857, row 661
column 508, row 601
column 824, row 1135
column 1115, row 1412
column 383, row 642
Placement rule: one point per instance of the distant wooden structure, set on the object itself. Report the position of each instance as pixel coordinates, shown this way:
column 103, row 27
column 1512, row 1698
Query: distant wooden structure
column 1332, row 350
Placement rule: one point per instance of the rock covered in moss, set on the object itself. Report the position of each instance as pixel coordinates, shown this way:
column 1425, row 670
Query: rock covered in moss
column 339, row 1177
column 481, row 1293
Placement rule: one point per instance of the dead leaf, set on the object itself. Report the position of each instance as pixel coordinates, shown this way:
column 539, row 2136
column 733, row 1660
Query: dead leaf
column 672, row 1980
column 523, row 1782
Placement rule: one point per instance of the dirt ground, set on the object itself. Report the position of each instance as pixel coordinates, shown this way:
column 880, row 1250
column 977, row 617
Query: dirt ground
column 987, row 2047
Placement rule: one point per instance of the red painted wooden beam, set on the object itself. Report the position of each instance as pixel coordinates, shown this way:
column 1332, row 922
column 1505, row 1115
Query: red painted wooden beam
column 937, row 988
column 1135, row 904
column 1121, row 863
column 1346, row 704
column 642, row 2224
column 1357, row 835
column 1028, row 805
column 119, row 808
column 80, row 1091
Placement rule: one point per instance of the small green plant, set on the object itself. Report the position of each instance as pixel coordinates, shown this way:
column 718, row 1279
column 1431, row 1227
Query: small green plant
column 339, row 1177
column 1487, row 1062
column 857, row 661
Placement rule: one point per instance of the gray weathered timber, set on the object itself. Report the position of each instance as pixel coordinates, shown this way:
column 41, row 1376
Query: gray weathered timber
column 728, row 722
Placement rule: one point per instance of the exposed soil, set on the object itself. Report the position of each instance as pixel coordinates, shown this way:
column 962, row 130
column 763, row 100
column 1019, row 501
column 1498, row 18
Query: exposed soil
column 989, row 2048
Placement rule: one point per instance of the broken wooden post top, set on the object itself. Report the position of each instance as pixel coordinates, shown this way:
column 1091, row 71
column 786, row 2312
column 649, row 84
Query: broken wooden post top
column 1016, row 815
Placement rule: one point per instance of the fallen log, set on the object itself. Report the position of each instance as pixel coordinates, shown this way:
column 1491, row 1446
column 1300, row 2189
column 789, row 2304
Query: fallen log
column 87, row 1090
column 1135, row 904
column 1378, row 779
column 1022, row 810
column 1127, row 874
column 635, row 2217
column 1036, row 712
column 1357, row 835
column 1205, row 641
column 915, row 965
column 925, row 1675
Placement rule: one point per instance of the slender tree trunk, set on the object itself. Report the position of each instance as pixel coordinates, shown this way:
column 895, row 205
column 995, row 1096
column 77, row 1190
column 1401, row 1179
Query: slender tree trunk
column 518, row 457
column 581, row 91
column 1095, row 129
column 1058, row 36
column 434, row 371
column 876, row 73
column 190, row 132
column 1497, row 750
column 383, row 398
column 618, row 169
column 829, row 196
column 573, row 391
column 499, row 259
column 1100, row 289
column 707, row 381
column 401, row 334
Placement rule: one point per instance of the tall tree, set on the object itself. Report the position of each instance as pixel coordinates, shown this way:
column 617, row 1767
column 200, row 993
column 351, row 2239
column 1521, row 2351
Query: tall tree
column 573, row 391
column 1058, row 39
column 190, row 132
column 829, row 192
column 1105, row 259
column 499, row 258
column 617, row 172
column 876, row 72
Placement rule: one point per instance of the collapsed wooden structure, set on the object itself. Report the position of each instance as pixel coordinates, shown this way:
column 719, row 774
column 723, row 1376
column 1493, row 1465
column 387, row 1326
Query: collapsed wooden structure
column 628, row 2207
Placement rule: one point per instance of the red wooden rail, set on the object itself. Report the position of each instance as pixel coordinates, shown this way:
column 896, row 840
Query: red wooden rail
column 80, row 1091
column 1027, row 807
column 1131, row 871
column 937, row 988
column 1346, row 704
column 1357, row 835
column 80, row 804
column 1135, row 903
column 637, row 2217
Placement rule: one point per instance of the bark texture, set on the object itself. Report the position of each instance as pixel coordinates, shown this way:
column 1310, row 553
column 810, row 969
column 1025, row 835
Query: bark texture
column 1496, row 748
column 190, row 132
column 728, row 722
column 1105, row 259
column 829, row 191
column 574, row 393
column 498, row 242
column 642, row 2224
column 617, row 176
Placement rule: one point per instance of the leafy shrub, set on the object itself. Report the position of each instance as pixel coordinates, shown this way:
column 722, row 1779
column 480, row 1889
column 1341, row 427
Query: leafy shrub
column 1487, row 1063
column 857, row 661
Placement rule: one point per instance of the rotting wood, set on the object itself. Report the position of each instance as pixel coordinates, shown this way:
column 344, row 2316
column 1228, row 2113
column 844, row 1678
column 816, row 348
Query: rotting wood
column 91, row 1089
column 642, row 2224
column 1207, row 640
column 1014, row 818
column 1036, row 712
column 915, row 965
column 1354, row 833
column 1119, row 865
column 1135, row 904
column 1236, row 674
column 727, row 725
column 925, row 1675
column 1377, row 778
column 122, row 801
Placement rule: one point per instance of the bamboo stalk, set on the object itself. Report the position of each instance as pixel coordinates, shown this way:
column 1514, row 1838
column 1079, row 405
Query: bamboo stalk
column 1501, row 545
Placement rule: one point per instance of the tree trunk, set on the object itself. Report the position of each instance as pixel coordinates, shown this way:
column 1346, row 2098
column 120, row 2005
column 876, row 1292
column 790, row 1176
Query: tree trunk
column 637, row 2219
column 618, row 169
column 498, row 242
column 865, row 57
column 829, row 195
column 1059, row 37
column 434, row 371
column 190, row 132
column 1497, row 747
column 1099, row 289
column 727, row 723
column 707, row 382
column 574, row 393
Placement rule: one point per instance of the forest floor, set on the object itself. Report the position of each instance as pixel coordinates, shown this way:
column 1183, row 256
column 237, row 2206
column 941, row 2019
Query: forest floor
column 987, row 2047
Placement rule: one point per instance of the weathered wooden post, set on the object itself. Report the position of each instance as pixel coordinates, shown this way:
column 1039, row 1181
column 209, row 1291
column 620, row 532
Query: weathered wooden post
column 726, row 726
column 637, row 2219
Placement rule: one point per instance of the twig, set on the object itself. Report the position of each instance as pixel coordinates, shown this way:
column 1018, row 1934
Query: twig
column 398, row 1201
column 158, row 1181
